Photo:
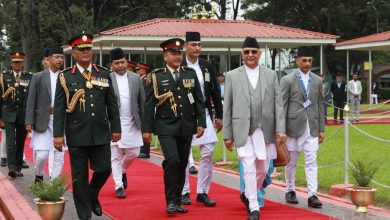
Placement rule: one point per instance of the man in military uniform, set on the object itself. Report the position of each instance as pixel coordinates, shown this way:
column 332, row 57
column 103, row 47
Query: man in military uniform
column 131, row 66
column 85, row 105
column 14, row 86
column 205, row 72
column 176, row 93
column 142, row 70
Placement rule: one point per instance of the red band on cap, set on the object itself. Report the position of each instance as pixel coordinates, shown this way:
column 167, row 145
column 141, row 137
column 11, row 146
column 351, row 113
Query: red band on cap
column 144, row 66
column 80, row 41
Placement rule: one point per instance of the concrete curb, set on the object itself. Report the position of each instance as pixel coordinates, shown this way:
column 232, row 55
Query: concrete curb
column 12, row 204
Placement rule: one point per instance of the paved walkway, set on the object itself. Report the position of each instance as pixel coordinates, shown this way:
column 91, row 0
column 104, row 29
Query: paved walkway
column 17, row 201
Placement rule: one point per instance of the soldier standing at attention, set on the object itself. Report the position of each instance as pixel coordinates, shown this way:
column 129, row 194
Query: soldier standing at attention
column 14, row 85
column 142, row 70
column 176, row 93
column 85, row 105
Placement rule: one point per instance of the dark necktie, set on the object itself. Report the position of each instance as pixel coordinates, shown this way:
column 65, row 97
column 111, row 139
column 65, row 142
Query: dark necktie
column 175, row 75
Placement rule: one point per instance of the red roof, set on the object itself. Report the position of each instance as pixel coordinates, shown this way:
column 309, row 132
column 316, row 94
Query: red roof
column 214, row 28
column 384, row 36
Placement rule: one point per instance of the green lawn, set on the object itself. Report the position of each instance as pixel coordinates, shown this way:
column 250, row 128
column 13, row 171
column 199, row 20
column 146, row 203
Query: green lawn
column 332, row 151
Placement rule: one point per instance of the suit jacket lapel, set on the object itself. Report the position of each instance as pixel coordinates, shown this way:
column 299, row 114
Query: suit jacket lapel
column 130, row 79
column 298, row 81
column 313, row 85
column 263, row 80
column 47, row 81
column 244, row 82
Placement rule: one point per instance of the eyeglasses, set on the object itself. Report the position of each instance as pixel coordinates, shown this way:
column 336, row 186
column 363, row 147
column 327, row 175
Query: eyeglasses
column 254, row 52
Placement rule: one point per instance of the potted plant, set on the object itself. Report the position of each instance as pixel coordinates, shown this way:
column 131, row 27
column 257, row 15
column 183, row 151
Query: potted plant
column 49, row 197
column 362, row 194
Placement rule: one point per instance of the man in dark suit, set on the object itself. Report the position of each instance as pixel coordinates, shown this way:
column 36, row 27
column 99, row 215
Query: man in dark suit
column 207, row 77
column 14, row 86
column 176, row 95
column 39, row 116
column 339, row 97
column 130, row 95
column 85, row 105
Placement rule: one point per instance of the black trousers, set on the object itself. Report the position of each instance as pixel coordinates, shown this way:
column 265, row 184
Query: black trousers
column 99, row 158
column 339, row 104
column 15, row 138
column 145, row 149
column 176, row 150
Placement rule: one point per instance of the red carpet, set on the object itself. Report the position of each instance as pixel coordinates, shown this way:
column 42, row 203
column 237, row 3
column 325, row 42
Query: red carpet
column 145, row 199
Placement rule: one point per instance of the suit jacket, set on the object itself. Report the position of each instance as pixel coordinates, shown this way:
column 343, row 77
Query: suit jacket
column 236, row 108
column 351, row 89
column 13, row 109
column 212, row 89
column 161, row 120
column 339, row 94
column 293, row 98
column 39, row 101
column 137, row 94
column 91, row 123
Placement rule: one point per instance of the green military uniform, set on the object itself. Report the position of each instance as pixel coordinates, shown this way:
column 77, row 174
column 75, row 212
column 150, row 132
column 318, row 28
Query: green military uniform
column 14, row 93
column 87, row 111
column 174, row 121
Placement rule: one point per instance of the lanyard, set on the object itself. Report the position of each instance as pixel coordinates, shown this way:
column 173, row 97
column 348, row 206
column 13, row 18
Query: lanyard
column 306, row 91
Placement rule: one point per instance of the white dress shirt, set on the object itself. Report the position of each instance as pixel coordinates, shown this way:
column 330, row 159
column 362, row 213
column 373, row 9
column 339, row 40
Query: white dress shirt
column 199, row 74
column 53, row 84
column 253, row 75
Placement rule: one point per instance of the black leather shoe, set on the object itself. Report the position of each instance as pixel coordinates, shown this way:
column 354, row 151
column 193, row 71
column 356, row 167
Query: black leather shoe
column 205, row 199
column 181, row 209
column 144, row 155
column 25, row 165
column 193, row 170
column 38, row 179
column 171, row 209
column 314, row 202
column 3, row 162
column 120, row 193
column 12, row 174
column 245, row 201
column 124, row 180
column 291, row 197
column 19, row 174
column 185, row 199
column 255, row 215
column 96, row 207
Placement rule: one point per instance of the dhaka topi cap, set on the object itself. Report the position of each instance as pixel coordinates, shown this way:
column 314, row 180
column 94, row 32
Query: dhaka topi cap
column 55, row 50
column 46, row 52
column 192, row 36
column 250, row 42
column 117, row 54
column 305, row 51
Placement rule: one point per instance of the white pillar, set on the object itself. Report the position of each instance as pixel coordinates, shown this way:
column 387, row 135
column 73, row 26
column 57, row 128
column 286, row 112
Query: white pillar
column 208, row 57
column 240, row 60
column 112, row 44
column 229, row 60
column 101, row 54
column 369, row 76
column 145, row 49
column 64, row 63
column 321, row 60
column 266, row 55
column 347, row 74
column 129, row 56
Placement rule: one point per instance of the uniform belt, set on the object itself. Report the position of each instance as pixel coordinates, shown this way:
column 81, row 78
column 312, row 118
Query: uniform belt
column 51, row 110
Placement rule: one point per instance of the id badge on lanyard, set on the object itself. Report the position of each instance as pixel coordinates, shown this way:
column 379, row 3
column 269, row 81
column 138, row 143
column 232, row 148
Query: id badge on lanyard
column 307, row 102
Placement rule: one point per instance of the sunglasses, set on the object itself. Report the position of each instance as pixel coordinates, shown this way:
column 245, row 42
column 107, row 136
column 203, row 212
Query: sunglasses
column 246, row 52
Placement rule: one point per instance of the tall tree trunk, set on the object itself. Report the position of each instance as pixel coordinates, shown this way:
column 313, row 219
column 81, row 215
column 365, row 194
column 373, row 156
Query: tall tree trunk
column 223, row 9
column 235, row 3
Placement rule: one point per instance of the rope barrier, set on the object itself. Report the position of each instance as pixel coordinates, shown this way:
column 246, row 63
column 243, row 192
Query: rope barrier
column 370, row 135
column 324, row 166
column 333, row 134
column 365, row 110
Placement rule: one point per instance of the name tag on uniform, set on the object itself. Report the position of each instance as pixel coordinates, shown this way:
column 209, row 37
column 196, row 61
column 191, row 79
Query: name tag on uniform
column 191, row 98
column 24, row 82
column 306, row 104
column 207, row 77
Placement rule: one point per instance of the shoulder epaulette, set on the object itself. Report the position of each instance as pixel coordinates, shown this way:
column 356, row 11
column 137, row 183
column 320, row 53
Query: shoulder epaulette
column 162, row 69
column 185, row 68
column 65, row 69
column 96, row 67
